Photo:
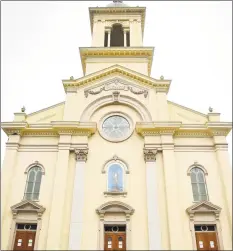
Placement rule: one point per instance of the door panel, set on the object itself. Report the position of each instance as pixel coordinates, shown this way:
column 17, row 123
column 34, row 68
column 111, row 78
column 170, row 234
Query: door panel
column 115, row 241
column 30, row 240
column 20, row 240
column 206, row 241
column 24, row 240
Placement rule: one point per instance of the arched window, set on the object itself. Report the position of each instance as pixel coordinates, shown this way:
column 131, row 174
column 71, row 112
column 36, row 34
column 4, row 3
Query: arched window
column 117, row 35
column 198, row 184
column 32, row 189
column 115, row 178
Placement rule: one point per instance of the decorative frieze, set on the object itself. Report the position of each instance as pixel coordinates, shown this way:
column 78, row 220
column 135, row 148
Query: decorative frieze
column 81, row 154
column 116, row 85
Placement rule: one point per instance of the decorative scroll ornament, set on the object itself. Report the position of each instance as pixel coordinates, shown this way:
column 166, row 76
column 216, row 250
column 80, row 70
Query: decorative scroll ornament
column 150, row 154
column 116, row 85
column 81, row 154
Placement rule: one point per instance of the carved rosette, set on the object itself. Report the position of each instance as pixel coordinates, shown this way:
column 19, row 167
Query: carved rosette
column 81, row 154
column 150, row 154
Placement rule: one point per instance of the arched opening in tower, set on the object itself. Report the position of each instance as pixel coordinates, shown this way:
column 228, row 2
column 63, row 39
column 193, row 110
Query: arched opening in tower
column 117, row 35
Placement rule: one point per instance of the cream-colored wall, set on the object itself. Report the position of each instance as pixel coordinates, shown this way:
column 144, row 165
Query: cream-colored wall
column 184, row 114
column 25, row 158
column 45, row 150
column 53, row 113
column 95, row 182
column 184, row 159
column 136, row 64
column 80, row 102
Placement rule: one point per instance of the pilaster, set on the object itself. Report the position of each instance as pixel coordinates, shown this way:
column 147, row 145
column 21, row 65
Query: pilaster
column 162, row 106
column 154, row 230
column 225, row 172
column 76, row 221
column 172, row 193
column 8, row 167
column 59, row 193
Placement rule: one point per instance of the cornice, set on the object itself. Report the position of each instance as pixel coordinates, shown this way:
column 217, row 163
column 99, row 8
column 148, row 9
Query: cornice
column 158, row 85
column 156, row 128
column 177, row 129
column 54, row 128
column 121, row 10
column 147, row 52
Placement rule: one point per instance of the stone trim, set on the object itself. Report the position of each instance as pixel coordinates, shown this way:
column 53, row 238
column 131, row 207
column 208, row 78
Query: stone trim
column 178, row 129
column 197, row 215
column 115, row 158
column 114, row 207
column 81, row 154
column 25, row 207
column 36, row 163
column 139, row 107
column 113, row 194
column 49, row 129
column 149, row 154
column 116, row 85
column 137, row 77
column 196, row 164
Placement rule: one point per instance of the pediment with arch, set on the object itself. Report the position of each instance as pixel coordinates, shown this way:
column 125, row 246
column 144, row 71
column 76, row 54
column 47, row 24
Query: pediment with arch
column 130, row 77
column 115, row 207
column 203, row 207
column 116, row 84
column 27, row 206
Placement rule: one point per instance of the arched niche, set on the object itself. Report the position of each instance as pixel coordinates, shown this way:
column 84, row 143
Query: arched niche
column 117, row 35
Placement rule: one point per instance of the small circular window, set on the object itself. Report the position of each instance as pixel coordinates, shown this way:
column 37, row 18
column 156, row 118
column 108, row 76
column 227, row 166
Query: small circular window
column 116, row 128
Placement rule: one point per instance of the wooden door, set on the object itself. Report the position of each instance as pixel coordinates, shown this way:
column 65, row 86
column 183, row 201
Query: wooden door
column 24, row 240
column 206, row 241
column 115, row 241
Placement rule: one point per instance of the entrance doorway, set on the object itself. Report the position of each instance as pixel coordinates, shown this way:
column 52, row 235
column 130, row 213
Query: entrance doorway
column 206, row 237
column 25, row 237
column 114, row 237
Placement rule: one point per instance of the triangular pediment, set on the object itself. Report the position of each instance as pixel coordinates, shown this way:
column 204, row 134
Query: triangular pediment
column 115, row 207
column 27, row 206
column 116, row 71
column 203, row 207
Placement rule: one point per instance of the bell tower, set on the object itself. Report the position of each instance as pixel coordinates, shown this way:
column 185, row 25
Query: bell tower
column 117, row 25
column 117, row 38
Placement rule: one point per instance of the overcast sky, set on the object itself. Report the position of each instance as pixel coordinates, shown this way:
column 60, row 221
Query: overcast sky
column 41, row 40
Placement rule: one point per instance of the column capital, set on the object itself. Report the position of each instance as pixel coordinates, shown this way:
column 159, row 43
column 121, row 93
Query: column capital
column 150, row 154
column 108, row 29
column 81, row 153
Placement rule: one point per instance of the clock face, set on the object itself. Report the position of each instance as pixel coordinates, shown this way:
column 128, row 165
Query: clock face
column 116, row 127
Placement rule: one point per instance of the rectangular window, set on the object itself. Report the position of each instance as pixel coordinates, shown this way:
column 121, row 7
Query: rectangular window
column 105, row 39
column 127, row 38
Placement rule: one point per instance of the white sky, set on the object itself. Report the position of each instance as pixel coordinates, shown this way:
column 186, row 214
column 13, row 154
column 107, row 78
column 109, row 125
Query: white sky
column 41, row 40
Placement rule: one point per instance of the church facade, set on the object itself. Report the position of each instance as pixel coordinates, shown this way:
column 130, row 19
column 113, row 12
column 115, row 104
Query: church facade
column 116, row 166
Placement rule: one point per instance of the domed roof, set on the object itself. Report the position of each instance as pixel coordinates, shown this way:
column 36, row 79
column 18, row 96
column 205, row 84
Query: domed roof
column 117, row 4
